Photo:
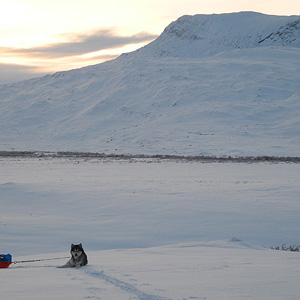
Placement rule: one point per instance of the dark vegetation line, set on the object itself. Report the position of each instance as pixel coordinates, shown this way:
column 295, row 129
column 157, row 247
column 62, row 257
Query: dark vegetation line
column 285, row 248
column 200, row 158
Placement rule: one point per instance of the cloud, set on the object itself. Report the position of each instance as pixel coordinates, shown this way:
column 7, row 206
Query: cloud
column 11, row 73
column 79, row 44
column 23, row 63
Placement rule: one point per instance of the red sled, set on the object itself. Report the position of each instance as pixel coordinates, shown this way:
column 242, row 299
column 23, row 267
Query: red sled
column 5, row 264
column 5, row 260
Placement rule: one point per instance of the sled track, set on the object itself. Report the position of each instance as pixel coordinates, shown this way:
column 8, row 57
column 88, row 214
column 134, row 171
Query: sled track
column 124, row 286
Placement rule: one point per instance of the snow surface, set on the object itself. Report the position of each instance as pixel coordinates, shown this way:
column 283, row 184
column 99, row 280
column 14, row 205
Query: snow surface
column 157, row 229
column 152, row 229
column 209, row 85
column 224, row 270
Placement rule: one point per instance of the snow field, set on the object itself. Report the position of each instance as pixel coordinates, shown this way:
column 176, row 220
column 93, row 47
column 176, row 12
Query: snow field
column 216, row 270
column 126, row 204
column 152, row 229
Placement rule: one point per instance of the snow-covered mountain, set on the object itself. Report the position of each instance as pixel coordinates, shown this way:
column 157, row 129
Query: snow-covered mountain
column 202, row 35
column 225, row 84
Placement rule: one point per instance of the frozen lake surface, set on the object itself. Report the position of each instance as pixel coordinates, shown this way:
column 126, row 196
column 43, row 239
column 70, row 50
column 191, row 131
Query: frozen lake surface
column 105, row 204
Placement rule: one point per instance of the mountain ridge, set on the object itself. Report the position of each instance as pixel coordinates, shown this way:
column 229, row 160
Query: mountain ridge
column 212, row 34
column 233, row 101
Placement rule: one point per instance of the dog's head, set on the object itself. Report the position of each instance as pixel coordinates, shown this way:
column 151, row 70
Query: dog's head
column 76, row 251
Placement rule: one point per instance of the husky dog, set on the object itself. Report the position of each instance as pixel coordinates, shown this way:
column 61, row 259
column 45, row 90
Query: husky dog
column 78, row 259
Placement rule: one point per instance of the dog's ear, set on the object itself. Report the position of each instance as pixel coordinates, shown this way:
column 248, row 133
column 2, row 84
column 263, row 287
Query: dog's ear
column 72, row 246
column 80, row 245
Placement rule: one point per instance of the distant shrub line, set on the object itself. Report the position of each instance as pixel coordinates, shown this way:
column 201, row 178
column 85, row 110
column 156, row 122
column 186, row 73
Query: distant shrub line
column 144, row 156
column 285, row 248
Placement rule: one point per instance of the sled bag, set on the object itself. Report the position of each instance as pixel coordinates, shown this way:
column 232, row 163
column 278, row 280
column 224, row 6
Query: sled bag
column 5, row 260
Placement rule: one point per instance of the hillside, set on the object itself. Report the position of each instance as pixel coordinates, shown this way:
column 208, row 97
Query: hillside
column 210, row 84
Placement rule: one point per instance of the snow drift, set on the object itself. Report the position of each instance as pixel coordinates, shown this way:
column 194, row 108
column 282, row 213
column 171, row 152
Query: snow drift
column 210, row 84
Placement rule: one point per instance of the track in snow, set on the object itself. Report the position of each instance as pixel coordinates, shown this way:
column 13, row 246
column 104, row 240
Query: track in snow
column 124, row 286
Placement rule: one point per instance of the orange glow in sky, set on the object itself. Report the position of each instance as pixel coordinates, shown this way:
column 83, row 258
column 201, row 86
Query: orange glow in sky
column 39, row 36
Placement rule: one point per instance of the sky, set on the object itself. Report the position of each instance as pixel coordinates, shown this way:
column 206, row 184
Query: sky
column 39, row 37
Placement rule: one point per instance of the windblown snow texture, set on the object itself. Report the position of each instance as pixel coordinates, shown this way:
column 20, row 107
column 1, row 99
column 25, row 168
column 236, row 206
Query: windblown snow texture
column 223, row 84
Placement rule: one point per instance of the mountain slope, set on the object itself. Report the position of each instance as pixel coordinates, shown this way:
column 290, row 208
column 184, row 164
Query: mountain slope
column 202, row 35
column 230, row 88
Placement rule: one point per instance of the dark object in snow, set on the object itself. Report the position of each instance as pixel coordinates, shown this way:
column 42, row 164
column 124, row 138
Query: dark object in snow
column 78, row 259
column 285, row 248
column 5, row 260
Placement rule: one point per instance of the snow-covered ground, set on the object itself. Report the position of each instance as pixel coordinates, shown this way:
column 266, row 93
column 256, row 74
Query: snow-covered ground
column 224, row 270
column 159, row 229
column 152, row 229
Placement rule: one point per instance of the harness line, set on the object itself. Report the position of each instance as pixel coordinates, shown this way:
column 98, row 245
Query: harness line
column 33, row 260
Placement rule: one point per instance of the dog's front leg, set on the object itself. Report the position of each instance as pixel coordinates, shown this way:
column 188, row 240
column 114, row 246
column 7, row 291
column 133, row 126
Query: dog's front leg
column 78, row 265
column 65, row 266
